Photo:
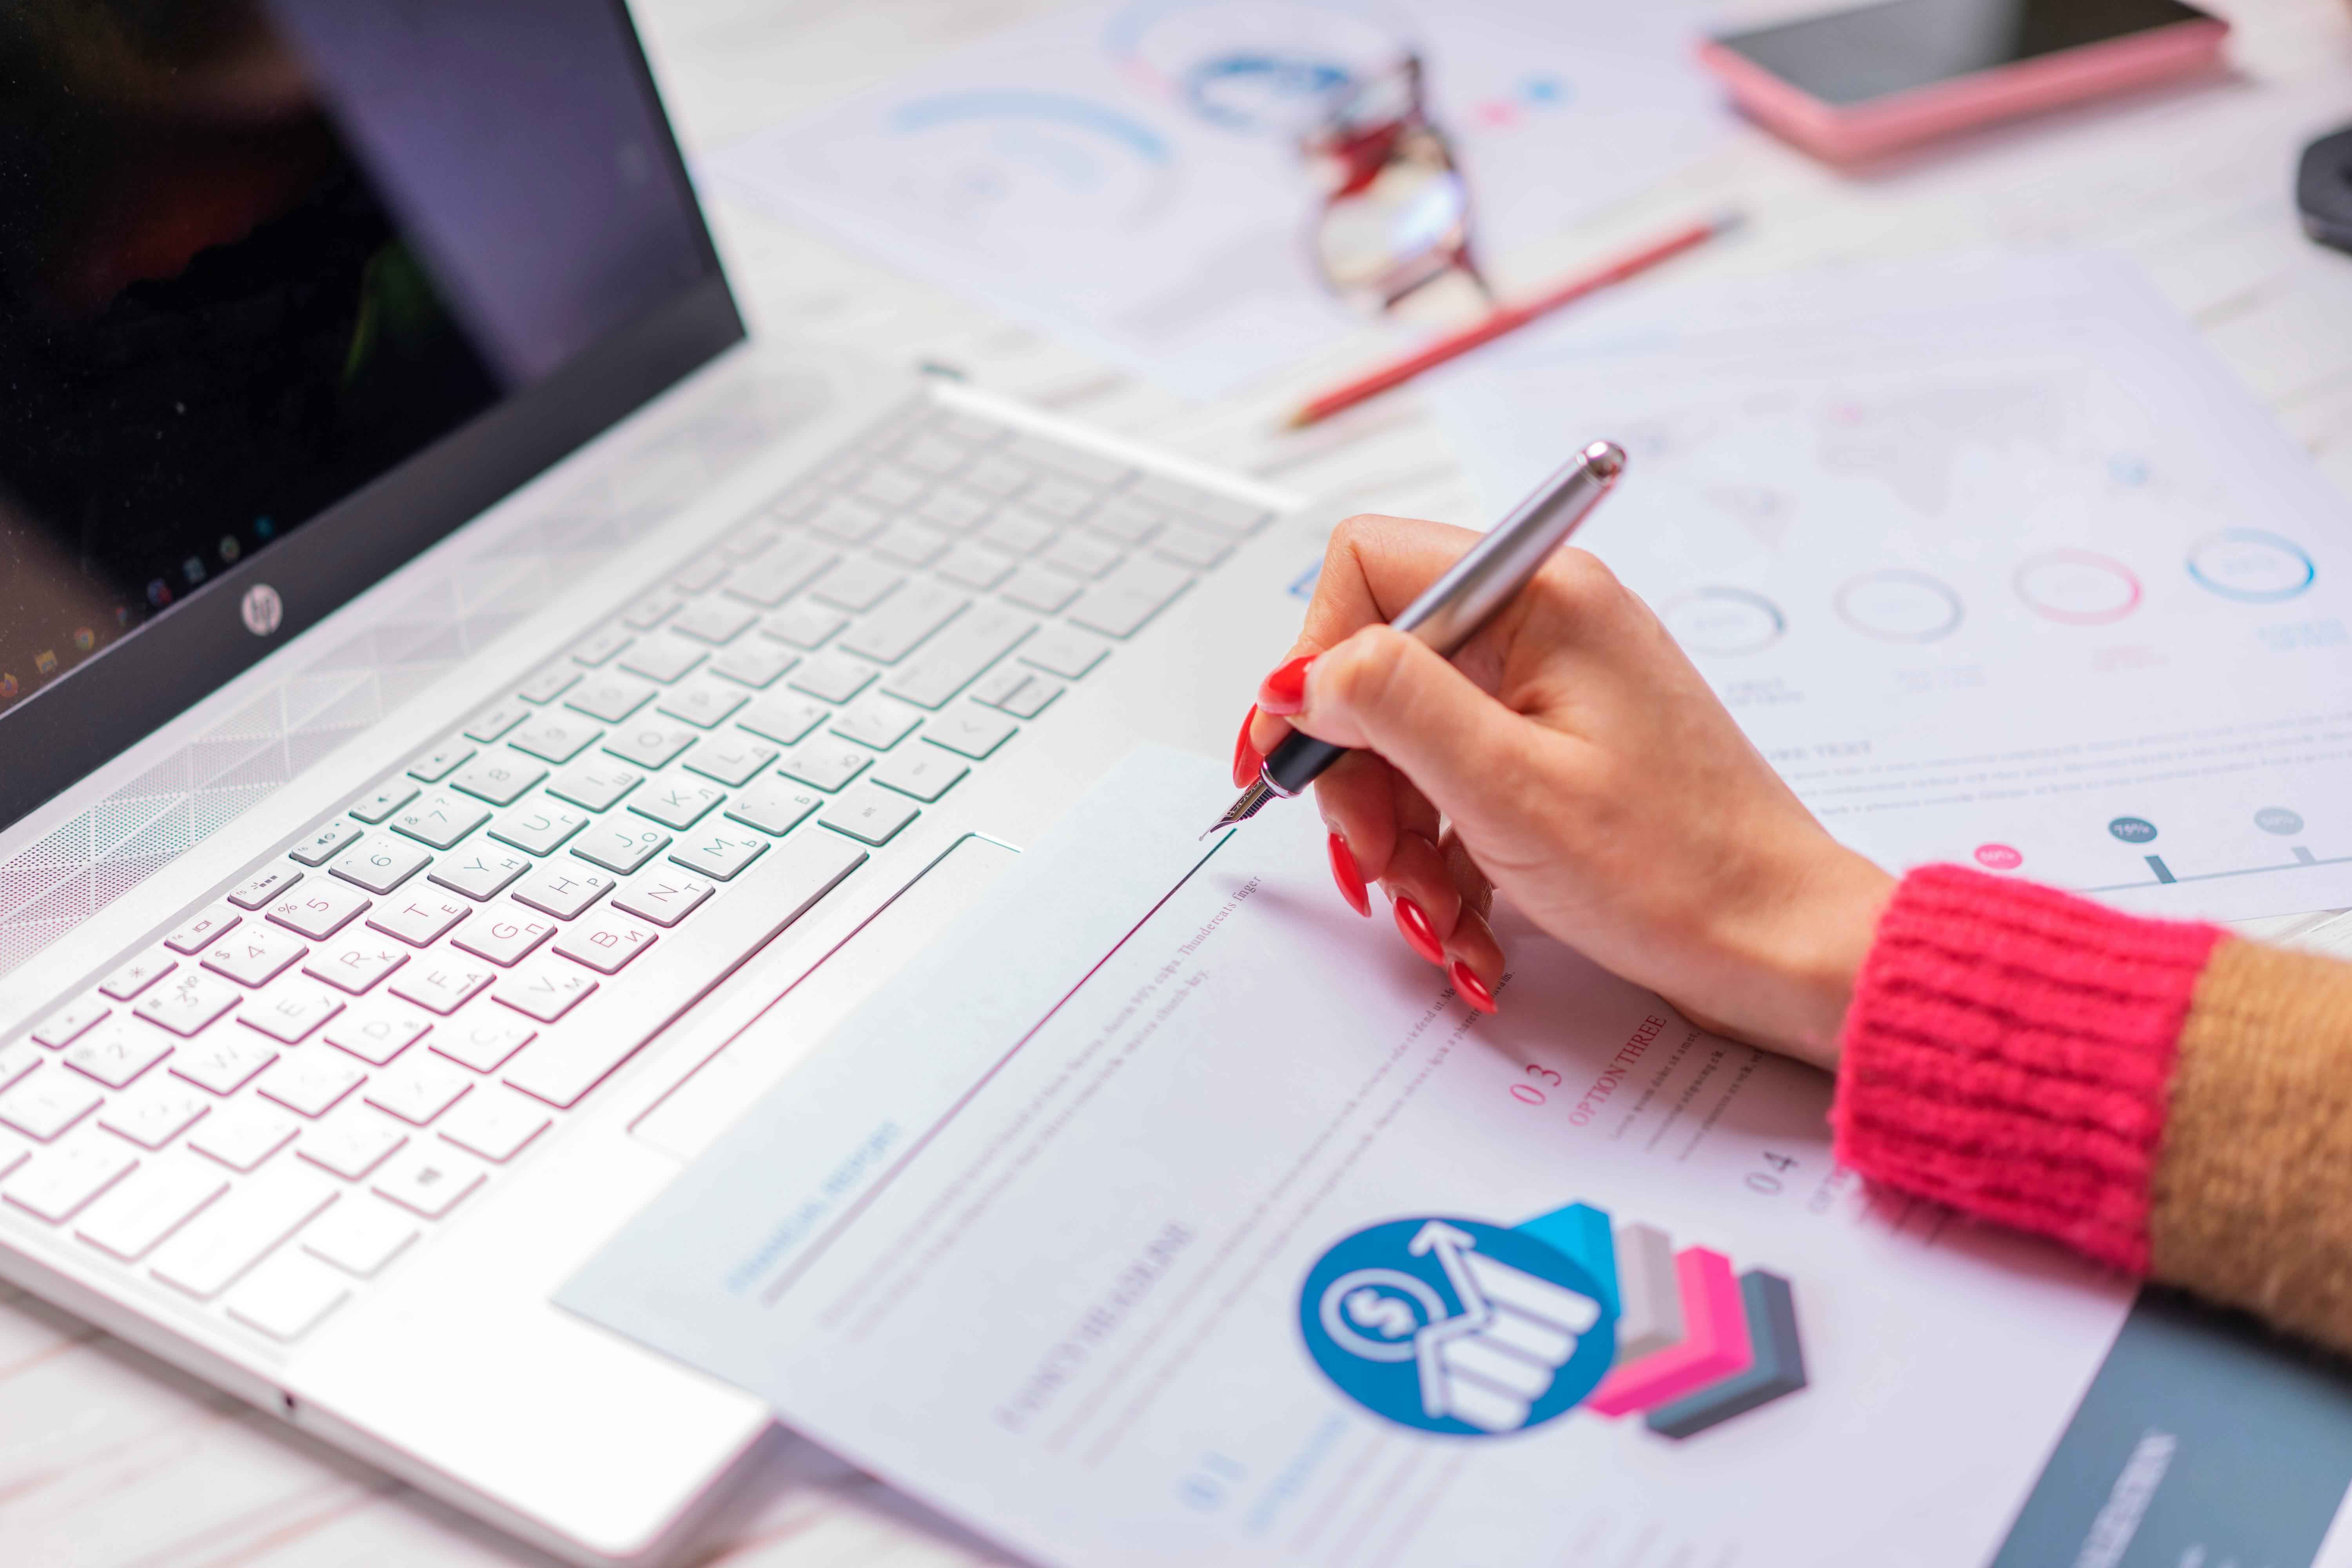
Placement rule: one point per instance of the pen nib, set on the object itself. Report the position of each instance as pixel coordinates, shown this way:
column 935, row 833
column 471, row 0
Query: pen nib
column 1253, row 799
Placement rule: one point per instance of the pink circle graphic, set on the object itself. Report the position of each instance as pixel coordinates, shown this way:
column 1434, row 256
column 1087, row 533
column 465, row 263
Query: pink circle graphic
column 1999, row 856
column 2077, row 587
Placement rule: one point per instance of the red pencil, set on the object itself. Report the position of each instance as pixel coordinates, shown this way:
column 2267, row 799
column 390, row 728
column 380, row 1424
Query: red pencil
column 1511, row 317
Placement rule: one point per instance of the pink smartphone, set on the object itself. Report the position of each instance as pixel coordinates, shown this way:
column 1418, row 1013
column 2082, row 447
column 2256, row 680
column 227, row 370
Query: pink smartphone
column 1854, row 84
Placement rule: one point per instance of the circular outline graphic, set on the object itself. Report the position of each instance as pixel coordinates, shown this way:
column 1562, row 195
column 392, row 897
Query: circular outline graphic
column 1667, row 609
column 2076, row 558
column 2253, row 536
column 1915, row 579
column 1432, row 1309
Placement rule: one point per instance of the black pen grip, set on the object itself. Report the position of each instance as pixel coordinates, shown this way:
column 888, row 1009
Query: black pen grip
column 1299, row 761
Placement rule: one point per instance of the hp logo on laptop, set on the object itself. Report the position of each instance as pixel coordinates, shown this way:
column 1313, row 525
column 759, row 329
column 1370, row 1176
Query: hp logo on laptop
column 262, row 609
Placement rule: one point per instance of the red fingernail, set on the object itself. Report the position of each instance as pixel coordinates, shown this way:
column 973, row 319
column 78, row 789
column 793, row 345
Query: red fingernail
column 1418, row 934
column 1350, row 878
column 1246, row 761
column 1469, row 987
column 1285, row 691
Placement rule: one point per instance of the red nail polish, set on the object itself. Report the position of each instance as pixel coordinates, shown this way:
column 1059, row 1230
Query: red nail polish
column 1418, row 934
column 1285, row 691
column 1469, row 987
column 1246, row 761
column 1350, row 876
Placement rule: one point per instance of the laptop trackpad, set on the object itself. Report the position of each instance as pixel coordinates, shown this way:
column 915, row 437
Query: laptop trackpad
column 687, row 1120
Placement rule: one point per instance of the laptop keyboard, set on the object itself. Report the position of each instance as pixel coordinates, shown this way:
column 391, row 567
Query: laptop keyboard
column 288, row 1092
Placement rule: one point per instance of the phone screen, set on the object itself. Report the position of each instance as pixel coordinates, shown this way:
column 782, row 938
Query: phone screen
column 1851, row 56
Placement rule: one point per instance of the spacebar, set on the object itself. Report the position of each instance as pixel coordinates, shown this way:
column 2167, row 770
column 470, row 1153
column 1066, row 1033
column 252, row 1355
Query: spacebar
column 605, row 1031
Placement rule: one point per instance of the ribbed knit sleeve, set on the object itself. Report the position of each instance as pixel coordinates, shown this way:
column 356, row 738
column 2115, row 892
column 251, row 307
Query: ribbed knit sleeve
column 2009, row 1050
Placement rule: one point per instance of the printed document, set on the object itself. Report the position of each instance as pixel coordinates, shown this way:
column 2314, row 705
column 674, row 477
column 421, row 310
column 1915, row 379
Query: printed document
column 1173, row 1214
column 1991, row 556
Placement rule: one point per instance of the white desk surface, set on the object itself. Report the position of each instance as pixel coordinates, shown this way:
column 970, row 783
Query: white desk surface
column 107, row 1460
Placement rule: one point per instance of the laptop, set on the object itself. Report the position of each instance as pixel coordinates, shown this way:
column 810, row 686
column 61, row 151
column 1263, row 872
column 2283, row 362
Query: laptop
column 469, row 720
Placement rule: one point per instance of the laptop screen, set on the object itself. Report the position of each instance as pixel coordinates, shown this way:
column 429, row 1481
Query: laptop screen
column 263, row 262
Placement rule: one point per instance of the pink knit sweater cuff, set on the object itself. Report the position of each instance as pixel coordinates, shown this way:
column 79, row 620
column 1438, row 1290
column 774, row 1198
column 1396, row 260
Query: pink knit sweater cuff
column 2007, row 1054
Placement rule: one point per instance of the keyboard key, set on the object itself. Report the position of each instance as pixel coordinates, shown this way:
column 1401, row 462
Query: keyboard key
column 418, row 1088
column 974, row 567
column 1119, row 605
column 290, row 1012
column 1081, row 557
column 1194, row 547
column 1098, row 470
column 611, row 698
column 202, row 931
column 360, row 1236
column 869, row 815
column 287, row 1297
column 20, row 1058
column 156, row 1113
column 545, row 990
column 649, row 742
column 59, row 1182
column 507, row 933
column 487, row 727
column 149, row 1205
column 857, row 584
column 832, row 676
column 649, row 611
column 754, row 663
column 936, row 455
column 1035, row 588
column 480, row 872
column 717, row 852
column 312, row 1081
column 970, row 731
column 268, row 884
column 383, row 803
column 594, row 784
column 356, row 964
column 438, row 818
column 664, row 897
column 556, row 736
column 225, row 1062
column 697, row 575
column 437, row 765
column 495, row 1122
column 1222, row 512
column 702, row 702
column 783, row 717
column 619, row 845
column 328, row 842
column 1127, row 521
column 1059, row 498
column 749, row 540
column 949, row 661
column 662, row 659
column 775, row 804
column 242, row 1134
column 48, row 1102
column 804, row 625
column 420, row 916
column 537, row 827
column 911, row 544
column 499, row 777
column 188, row 1003
column 353, row 1142
column 606, row 942
column 13, row 1151
column 549, row 684
column 137, row 975
column 429, row 1178
column 782, row 573
column 440, row 984
column 877, row 722
column 255, row 955
column 602, row 645
column 318, row 910
column 215, row 1248
column 1031, row 697
column 60, row 1027
column 487, row 1037
column 118, row 1052
column 1017, row 534
column 714, row 621
column 676, row 800
column 731, row 759
column 959, row 510
column 892, row 632
column 563, row 889
column 852, row 522
column 998, row 476
column 1057, row 650
column 377, row 1033
column 892, row 486
column 925, row 773
column 828, row 764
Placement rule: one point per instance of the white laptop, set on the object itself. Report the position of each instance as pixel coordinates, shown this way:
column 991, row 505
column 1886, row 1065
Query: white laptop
column 468, row 719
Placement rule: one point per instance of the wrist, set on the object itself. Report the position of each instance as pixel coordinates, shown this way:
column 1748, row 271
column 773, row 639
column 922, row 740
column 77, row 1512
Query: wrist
column 1806, row 946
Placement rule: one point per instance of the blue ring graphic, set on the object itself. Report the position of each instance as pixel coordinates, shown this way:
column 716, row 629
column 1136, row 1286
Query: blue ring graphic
column 2247, row 596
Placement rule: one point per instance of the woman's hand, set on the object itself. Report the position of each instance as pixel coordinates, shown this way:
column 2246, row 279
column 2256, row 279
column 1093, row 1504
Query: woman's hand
column 1572, row 757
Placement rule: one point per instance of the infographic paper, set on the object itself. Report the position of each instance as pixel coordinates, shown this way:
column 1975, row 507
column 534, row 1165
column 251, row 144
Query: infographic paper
column 1991, row 558
column 1179, row 1215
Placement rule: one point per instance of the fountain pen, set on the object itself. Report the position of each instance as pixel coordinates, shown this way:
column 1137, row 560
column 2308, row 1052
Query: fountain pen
column 1451, row 609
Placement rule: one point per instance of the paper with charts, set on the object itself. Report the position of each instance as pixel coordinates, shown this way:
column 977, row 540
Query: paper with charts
column 1125, row 173
column 1994, row 561
column 1179, row 1215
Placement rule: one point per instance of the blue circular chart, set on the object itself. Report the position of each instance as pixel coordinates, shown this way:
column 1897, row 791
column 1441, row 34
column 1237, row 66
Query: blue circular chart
column 2132, row 829
column 2278, row 819
column 2251, row 566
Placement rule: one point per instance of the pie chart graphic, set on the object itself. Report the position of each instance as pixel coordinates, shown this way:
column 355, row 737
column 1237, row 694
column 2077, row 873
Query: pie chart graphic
column 2077, row 588
column 1900, row 607
column 1723, row 621
column 2251, row 566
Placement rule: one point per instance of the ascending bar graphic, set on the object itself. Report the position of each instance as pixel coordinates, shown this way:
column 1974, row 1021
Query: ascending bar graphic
column 1778, row 1366
column 1714, row 1346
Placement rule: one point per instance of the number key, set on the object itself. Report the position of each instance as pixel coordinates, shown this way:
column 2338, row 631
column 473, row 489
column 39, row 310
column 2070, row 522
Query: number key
column 381, row 867
column 117, row 1053
column 440, row 818
column 319, row 911
column 254, row 956
column 499, row 777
